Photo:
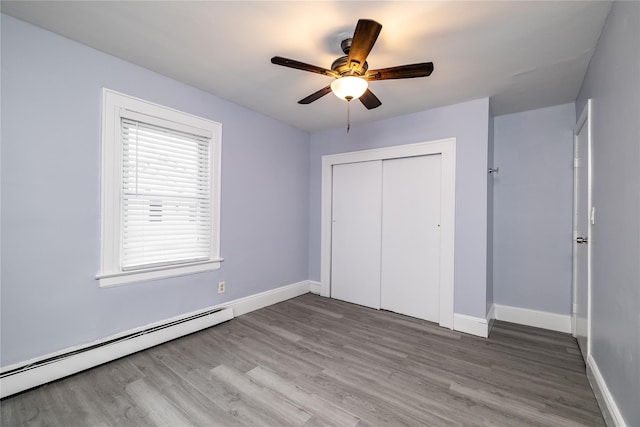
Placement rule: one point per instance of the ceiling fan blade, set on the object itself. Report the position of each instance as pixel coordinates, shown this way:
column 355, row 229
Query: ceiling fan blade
column 410, row 71
column 369, row 100
column 292, row 63
column 364, row 38
column 315, row 95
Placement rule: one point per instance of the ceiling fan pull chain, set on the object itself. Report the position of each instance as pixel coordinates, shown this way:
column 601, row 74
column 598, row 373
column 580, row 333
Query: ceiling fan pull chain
column 348, row 98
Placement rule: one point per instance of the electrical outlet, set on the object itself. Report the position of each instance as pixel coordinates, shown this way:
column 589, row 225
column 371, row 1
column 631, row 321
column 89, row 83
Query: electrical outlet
column 221, row 287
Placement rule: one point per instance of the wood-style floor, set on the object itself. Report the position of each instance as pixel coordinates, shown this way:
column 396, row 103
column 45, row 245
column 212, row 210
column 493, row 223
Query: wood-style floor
column 313, row 361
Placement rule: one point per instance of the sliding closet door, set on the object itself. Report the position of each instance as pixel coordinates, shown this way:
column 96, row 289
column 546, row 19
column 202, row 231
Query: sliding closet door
column 410, row 269
column 355, row 243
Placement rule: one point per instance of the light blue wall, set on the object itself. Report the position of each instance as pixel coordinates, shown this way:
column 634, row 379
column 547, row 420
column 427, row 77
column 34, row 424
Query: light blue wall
column 613, row 82
column 51, row 100
column 468, row 123
column 533, row 208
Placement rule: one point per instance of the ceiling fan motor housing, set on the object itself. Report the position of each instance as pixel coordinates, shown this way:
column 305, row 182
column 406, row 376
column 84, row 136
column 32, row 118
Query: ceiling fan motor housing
column 340, row 64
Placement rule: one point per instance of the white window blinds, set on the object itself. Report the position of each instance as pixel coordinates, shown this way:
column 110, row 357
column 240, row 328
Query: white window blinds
column 166, row 196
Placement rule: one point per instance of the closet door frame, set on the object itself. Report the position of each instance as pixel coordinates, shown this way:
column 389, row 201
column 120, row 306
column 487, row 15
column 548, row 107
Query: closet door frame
column 447, row 149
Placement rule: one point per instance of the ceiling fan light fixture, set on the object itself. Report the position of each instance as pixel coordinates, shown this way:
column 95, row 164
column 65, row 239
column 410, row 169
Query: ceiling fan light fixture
column 349, row 87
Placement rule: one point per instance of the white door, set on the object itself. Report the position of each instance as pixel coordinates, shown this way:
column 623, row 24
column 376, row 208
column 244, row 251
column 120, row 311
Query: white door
column 410, row 271
column 355, row 243
column 582, row 213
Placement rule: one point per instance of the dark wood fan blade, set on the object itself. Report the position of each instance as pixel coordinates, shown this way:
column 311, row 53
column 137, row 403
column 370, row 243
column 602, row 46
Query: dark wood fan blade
column 410, row 71
column 364, row 38
column 369, row 100
column 315, row 95
column 292, row 63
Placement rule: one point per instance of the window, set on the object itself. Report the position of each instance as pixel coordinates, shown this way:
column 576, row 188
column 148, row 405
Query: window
column 160, row 192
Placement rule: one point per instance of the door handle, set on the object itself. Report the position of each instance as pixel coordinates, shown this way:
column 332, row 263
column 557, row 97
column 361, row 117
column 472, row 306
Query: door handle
column 582, row 240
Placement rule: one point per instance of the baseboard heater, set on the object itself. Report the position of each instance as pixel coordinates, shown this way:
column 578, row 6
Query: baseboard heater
column 70, row 362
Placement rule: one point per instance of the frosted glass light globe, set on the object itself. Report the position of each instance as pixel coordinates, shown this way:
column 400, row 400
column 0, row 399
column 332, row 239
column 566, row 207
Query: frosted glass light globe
column 349, row 87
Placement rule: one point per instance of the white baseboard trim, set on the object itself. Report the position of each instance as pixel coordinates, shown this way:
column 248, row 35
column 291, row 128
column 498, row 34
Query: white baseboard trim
column 535, row 318
column 314, row 287
column 606, row 401
column 264, row 299
column 471, row 325
column 75, row 359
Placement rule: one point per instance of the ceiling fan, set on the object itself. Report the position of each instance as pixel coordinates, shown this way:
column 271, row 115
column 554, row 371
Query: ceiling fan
column 351, row 72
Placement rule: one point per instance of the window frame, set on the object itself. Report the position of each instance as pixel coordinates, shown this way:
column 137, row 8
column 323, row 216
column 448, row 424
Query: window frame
column 114, row 106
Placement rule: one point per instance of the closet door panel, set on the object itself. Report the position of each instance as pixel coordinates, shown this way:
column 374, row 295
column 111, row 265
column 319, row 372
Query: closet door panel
column 356, row 233
column 410, row 251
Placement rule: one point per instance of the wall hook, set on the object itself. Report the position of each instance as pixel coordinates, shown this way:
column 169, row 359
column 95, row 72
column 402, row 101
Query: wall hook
column 494, row 170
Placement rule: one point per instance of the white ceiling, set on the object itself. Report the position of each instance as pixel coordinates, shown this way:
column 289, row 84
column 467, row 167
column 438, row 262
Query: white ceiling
column 523, row 55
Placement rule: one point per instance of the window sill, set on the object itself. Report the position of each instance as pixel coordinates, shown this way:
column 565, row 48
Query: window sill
column 108, row 280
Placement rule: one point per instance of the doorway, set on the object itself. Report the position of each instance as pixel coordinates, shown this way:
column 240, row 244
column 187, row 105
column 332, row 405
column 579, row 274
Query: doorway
column 388, row 227
column 583, row 219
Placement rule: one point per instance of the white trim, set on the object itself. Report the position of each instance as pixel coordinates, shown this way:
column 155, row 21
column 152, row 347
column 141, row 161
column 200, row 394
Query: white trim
column 471, row 325
column 583, row 119
column 447, row 149
column 314, row 287
column 608, row 405
column 574, row 235
column 535, row 318
column 126, row 277
column 93, row 357
column 264, row 299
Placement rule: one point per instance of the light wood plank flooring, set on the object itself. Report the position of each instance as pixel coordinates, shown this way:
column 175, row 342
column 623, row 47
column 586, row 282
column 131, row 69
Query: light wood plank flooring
column 313, row 361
